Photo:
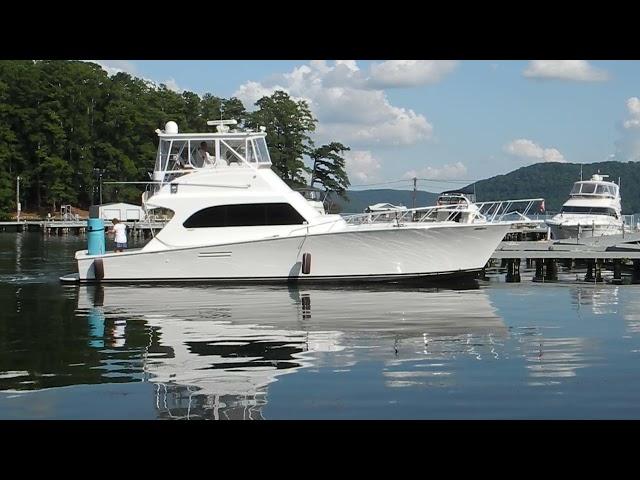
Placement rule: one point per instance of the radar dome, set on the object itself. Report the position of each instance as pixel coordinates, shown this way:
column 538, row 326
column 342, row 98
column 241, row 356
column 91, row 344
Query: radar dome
column 171, row 127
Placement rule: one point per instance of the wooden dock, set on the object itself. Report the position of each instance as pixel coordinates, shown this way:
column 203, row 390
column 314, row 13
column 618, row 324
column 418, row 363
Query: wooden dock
column 78, row 227
column 616, row 251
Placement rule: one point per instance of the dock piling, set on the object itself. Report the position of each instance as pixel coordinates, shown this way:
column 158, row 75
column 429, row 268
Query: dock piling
column 617, row 272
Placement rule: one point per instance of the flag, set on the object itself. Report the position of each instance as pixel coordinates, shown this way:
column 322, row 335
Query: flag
column 542, row 206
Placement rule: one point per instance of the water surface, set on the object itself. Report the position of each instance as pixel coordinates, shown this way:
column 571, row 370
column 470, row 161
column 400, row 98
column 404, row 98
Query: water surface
column 489, row 350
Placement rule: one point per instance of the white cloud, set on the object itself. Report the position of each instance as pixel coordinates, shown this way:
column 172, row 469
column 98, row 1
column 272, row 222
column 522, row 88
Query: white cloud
column 116, row 66
column 628, row 146
column 173, row 85
column 409, row 73
column 362, row 166
column 348, row 109
column 457, row 171
column 633, row 107
column 576, row 70
column 524, row 148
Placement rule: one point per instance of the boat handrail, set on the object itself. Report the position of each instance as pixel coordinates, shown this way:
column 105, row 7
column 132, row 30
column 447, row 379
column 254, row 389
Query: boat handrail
column 494, row 211
column 414, row 215
column 307, row 226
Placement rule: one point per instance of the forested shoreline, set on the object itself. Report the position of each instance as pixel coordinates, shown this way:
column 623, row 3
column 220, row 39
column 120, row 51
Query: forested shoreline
column 63, row 124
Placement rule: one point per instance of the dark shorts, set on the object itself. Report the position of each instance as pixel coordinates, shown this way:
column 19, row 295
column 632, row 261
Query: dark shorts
column 121, row 245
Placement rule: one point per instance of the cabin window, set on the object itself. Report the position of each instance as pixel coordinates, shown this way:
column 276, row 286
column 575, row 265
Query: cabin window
column 590, row 210
column 248, row 215
column 233, row 151
column 588, row 187
column 179, row 155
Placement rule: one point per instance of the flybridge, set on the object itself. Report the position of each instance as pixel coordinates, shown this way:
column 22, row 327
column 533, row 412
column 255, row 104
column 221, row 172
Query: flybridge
column 596, row 187
column 181, row 153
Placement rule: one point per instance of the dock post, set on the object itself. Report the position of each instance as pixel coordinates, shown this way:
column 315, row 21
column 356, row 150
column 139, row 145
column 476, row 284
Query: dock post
column 539, row 275
column 636, row 272
column 552, row 269
column 599, row 270
column 617, row 272
column 589, row 276
column 513, row 270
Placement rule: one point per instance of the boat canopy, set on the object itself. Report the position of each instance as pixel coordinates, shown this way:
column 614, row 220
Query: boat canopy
column 184, row 152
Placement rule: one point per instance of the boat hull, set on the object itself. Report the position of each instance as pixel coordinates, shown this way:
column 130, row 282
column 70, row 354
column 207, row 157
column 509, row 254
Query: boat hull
column 404, row 253
column 566, row 230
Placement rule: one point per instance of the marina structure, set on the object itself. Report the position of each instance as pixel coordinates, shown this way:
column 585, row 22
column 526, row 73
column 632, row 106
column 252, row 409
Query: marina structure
column 620, row 251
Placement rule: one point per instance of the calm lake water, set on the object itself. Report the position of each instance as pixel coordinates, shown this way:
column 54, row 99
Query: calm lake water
column 491, row 351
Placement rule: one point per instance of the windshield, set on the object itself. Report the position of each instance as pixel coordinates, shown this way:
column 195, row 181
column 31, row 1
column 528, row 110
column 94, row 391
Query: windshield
column 262, row 151
column 451, row 200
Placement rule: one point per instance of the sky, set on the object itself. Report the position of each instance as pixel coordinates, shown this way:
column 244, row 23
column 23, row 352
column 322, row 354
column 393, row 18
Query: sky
column 447, row 122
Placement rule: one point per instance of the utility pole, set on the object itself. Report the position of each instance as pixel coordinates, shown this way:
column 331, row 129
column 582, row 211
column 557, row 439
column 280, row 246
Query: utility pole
column 18, row 206
column 415, row 180
column 98, row 173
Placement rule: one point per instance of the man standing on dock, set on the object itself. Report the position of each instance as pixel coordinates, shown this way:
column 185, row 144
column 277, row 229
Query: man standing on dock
column 119, row 230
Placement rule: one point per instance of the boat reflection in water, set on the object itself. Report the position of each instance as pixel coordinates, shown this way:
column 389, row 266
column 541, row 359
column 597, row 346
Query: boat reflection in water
column 212, row 352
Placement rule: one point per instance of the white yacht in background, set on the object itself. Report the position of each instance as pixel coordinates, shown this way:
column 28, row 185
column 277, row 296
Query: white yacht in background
column 593, row 209
column 235, row 220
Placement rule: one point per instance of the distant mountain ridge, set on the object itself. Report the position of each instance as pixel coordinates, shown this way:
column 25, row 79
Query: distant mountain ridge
column 553, row 182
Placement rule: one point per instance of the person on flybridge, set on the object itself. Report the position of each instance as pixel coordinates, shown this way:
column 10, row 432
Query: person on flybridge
column 202, row 156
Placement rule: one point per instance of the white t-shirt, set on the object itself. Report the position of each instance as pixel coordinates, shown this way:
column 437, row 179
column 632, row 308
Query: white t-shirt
column 203, row 158
column 120, row 230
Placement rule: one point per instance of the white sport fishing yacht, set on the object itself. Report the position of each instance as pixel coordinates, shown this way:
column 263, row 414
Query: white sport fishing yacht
column 593, row 209
column 235, row 220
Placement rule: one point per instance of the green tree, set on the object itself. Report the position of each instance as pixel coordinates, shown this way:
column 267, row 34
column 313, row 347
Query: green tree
column 329, row 168
column 61, row 120
column 7, row 146
column 288, row 124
